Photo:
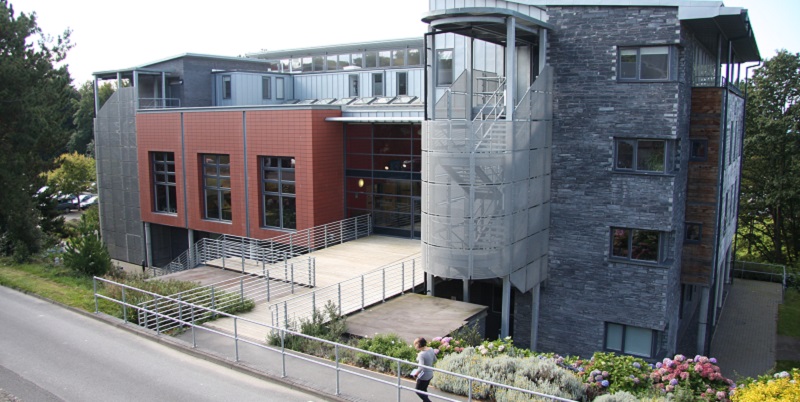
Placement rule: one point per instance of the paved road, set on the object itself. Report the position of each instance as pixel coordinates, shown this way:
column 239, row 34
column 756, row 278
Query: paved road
column 48, row 353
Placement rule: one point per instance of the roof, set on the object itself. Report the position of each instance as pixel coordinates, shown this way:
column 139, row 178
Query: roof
column 146, row 67
column 340, row 48
column 485, row 23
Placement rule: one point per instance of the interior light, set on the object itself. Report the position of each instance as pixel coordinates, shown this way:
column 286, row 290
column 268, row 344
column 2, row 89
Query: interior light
column 360, row 183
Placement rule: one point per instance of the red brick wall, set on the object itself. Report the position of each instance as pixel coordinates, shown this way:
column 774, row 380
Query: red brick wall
column 316, row 145
column 159, row 133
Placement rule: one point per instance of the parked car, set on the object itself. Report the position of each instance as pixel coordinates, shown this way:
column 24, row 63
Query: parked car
column 68, row 203
column 88, row 200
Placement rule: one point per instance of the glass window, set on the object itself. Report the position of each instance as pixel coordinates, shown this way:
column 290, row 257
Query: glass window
column 278, row 191
column 644, row 63
column 285, row 65
column 699, row 150
column 636, row 244
column 357, row 60
column 344, row 61
column 226, row 87
column 693, row 232
column 402, row 83
column 266, row 87
column 318, row 63
column 629, row 339
column 444, row 67
column 371, row 59
column 217, row 187
column 331, row 63
column 398, row 58
column 641, row 155
column 279, row 88
column 413, row 57
column 297, row 65
column 384, row 58
column 164, row 195
column 377, row 84
column 307, row 66
column 353, row 84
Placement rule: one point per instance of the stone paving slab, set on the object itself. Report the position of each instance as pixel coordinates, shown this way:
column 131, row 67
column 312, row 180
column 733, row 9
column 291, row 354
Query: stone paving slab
column 744, row 340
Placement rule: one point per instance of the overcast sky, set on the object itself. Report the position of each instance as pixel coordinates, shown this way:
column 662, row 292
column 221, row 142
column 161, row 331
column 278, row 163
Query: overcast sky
column 111, row 34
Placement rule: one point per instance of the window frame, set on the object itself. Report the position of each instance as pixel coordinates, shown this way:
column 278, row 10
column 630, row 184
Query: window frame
column 280, row 184
column 667, row 167
column 266, row 87
column 402, row 83
column 280, row 88
column 219, row 189
column 624, row 327
column 660, row 251
column 670, row 64
column 227, row 86
column 686, row 233
column 160, row 166
column 377, row 84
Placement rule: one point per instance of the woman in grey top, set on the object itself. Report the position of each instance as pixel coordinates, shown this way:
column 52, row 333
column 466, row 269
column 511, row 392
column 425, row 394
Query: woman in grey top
column 425, row 357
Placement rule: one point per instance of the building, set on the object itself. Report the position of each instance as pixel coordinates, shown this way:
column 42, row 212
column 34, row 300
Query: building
column 574, row 165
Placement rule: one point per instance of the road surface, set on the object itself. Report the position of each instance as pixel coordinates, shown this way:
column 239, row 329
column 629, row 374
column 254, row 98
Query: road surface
column 49, row 353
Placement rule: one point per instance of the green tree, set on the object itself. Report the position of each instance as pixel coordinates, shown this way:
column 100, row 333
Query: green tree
column 85, row 252
column 74, row 174
column 770, row 196
column 35, row 121
column 82, row 138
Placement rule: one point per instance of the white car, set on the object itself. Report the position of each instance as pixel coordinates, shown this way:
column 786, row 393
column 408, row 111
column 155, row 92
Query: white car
column 87, row 200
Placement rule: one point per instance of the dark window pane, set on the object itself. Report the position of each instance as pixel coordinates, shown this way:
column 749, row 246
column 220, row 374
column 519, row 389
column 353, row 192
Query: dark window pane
column 638, row 341
column 644, row 246
column 627, row 63
column 699, row 149
column 693, row 232
column 650, row 156
column 212, row 182
column 287, row 162
column 212, row 204
column 287, row 175
column 619, row 247
column 172, row 205
column 161, row 198
column 398, row 58
column 171, row 168
column 287, row 188
column 371, row 59
column 614, row 337
column 444, row 71
column 655, row 63
column 224, row 159
column 271, row 186
column 413, row 57
column 625, row 149
column 227, row 213
column 225, row 183
column 360, row 146
column 384, row 58
column 171, row 178
column 289, row 213
column 362, row 162
column 271, row 175
column 272, row 210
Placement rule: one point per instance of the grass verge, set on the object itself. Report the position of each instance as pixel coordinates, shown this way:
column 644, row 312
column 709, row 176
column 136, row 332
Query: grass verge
column 54, row 283
column 789, row 314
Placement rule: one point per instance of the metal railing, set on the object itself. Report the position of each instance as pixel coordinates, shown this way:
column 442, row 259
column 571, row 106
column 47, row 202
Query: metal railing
column 297, row 363
column 760, row 272
column 159, row 103
column 351, row 295
column 262, row 252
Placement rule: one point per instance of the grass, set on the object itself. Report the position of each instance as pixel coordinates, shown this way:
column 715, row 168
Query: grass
column 54, row 283
column 789, row 314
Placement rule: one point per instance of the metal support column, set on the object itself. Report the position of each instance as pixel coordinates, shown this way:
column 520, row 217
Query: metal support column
column 430, row 283
column 148, row 244
column 466, row 290
column 542, row 49
column 190, row 254
column 535, row 293
column 511, row 66
column 505, row 315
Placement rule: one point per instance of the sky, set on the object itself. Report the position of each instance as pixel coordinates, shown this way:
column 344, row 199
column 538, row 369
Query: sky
column 112, row 35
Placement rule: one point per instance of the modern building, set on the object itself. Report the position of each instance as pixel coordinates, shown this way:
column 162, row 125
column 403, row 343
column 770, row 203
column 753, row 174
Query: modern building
column 573, row 165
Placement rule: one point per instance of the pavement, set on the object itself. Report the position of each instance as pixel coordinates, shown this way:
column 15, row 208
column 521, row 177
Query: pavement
column 744, row 341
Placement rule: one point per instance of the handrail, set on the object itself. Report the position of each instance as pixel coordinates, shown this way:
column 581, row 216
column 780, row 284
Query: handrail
column 191, row 322
column 159, row 103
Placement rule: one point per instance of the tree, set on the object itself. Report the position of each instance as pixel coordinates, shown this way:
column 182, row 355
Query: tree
column 85, row 252
column 770, row 196
column 75, row 173
column 35, row 110
column 82, row 138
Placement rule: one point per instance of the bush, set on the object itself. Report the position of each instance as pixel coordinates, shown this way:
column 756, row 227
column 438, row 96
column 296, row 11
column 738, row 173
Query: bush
column 783, row 386
column 468, row 335
column 327, row 325
column 699, row 377
column 538, row 375
column 389, row 345
column 85, row 252
column 610, row 373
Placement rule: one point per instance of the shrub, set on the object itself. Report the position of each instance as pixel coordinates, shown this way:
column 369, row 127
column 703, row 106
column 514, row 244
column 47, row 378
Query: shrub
column 699, row 376
column 499, row 347
column 538, row 375
column 389, row 345
column 468, row 335
column 610, row 373
column 783, row 386
column 85, row 252
column 326, row 324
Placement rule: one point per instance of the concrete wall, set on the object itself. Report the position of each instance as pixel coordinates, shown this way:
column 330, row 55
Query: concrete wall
column 586, row 287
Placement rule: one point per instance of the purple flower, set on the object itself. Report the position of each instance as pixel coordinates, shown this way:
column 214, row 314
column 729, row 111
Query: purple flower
column 680, row 358
column 658, row 365
column 673, row 382
column 712, row 360
column 605, row 373
column 637, row 365
column 581, row 369
column 604, row 383
column 635, row 380
column 598, row 378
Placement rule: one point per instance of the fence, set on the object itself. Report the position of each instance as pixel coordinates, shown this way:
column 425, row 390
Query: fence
column 760, row 272
column 234, row 251
column 282, row 361
column 351, row 295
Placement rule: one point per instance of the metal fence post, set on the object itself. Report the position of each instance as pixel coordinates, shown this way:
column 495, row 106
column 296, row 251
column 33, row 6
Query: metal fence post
column 267, row 278
column 340, row 297
column 399, row 378
column 413, row 276
column 222, row 247
column 285, row 315
column 236, row 337
column 314, row 272
column 362, row 292
column 383, row 285
column 341, row 232
column 94, row 286
column 194, row 339
column 308, row 242
column 336, row 351
column 180, row 307
column 242, row 251
column 124, row 307
column 313, row 302
column 241, row 291
column 292, row 272
column 158, row 317
column 213, row 303
column 325, row 242
column 283, row 353
column 309, row 271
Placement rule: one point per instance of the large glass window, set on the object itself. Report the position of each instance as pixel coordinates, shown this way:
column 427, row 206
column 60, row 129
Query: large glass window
column 444, row 67
column 377, row 84
column 398, row 58
column 636, row 244
column 279, row 88
column 644, row 63
column 217, row 187
column 630, row 340
column 641, row 155
column 278, row 186
column 413, row 57
column 164, row 196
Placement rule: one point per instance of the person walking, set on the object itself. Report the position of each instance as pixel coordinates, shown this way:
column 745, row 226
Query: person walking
column 424, row 375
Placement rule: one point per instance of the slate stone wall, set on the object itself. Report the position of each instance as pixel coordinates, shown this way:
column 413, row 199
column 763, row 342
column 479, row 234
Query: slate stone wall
column 587, row 289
